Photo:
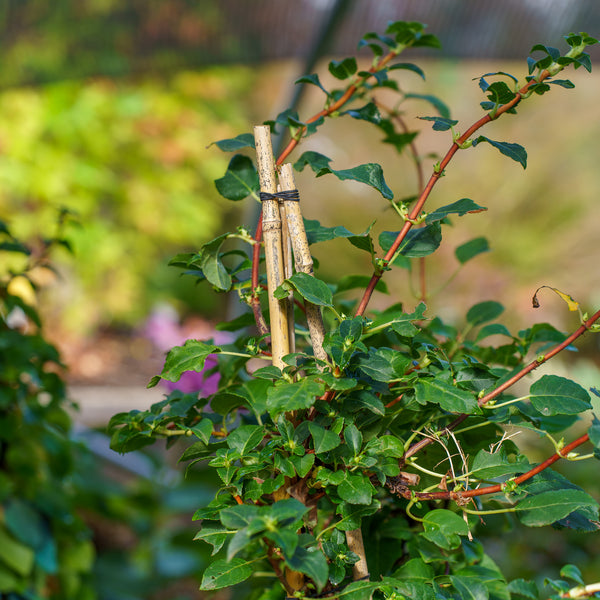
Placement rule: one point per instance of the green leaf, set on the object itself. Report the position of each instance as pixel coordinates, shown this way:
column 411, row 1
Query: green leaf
column 353, row 438
column 15, row 555
column 415, row 568
column 470, row 249
column 240, row 179
column 324, row 440
column 319, row 163
column 209, row 260
column 342, row 69
column 488, row 465
column 239, row 516
column 244, row 140
column 523, row 588
column 312, row 563
column 440, row 106
column 303, row 464
column 369, row 113
column 313, row 290
column 358, row 590
column 572, row 572
column 450, row 398
column 469, row 588
column 440, row 123
column 484, row 311
column 514, row 151
column 460, row 208
column 408, row 67
column 492, row 329
column 293, row 396
column 370, row 174
column 356, row 489
column 189, row 357
column 245, row 438
column 313, row 80
column 222, row 573
column 444, row 528
column 214, row 534
column 419, row 242
column 551, row 506
column 554, row 395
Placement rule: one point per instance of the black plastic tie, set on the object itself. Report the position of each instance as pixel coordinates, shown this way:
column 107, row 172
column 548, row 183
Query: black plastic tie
column 285, row 196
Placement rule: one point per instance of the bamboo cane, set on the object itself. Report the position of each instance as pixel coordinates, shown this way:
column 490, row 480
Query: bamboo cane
column 280, row 341
column 288, row 270
column 303, row 259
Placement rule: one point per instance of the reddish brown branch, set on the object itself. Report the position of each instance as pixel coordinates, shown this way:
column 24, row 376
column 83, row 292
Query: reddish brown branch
column 418, row 207
column 494, row 489
column 418, row 446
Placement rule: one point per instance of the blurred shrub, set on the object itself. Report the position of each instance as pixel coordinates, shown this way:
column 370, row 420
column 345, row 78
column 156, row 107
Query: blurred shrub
column 127, row 159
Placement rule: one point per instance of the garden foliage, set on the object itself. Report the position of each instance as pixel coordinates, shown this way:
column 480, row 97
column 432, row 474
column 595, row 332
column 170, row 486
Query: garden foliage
column 403, row 430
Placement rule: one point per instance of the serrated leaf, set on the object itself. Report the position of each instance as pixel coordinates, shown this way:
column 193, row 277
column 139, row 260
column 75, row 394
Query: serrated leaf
column 315, row 232
column 211, row 264
column 240, row 179
column 470, row 249
column 214, row 534
column 440, row 123
column 408, row 67
column 488, row 465
column 554, row 395
column 245, row 438
column 189, row 357
column 239, row 516
column 440, row 106
column 222, row 573
column 449, row 398
column 313, row 80
column 369, row 113
column 444, row 528
column 514, row 151
column 342, row 69
column 572, row 572
column 356, row 489
column 370, row 174
column 324, row 440
column 419, row 242
column 492, row 329
column 244, row 140
column 551, row 506
column 353, row 438
column 312, row 563
column 293, row 396
column 313, row 290
column 484, row 311
column 460, row 208
column 469, row 588
column 525, row 589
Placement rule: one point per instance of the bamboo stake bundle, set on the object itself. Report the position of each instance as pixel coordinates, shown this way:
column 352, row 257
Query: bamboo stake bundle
column 303, row 259
column 280, row 341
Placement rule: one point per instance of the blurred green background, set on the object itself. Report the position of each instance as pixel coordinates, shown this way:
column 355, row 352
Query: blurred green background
column 107, row 109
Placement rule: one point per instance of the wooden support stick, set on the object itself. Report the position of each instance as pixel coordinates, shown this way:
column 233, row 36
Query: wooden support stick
column 280, row 341
column 288, row 270
column 303, row 259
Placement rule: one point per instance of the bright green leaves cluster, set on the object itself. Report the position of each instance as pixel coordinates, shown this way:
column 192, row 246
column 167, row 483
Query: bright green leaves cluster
column 315, row 449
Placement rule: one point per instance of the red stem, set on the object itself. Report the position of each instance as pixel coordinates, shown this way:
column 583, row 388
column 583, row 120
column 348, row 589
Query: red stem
column 418, row 207
column 417, row 447
column 494, row 489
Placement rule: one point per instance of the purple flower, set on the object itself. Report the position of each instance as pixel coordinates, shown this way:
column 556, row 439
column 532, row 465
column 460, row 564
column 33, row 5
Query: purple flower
column 164, row 331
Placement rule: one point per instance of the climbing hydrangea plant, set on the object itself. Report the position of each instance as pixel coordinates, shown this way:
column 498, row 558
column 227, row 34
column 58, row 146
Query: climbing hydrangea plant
column 390, row 422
